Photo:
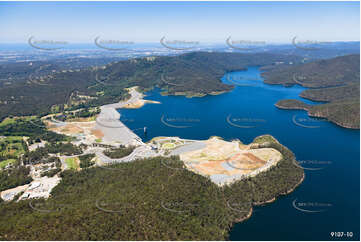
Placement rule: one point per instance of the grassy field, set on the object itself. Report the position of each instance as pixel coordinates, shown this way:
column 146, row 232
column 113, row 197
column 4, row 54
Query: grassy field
column 89, row 119
column 72, row 163
column 11, row 146
column 6, row 162
column 7, row 121
column 169, row 146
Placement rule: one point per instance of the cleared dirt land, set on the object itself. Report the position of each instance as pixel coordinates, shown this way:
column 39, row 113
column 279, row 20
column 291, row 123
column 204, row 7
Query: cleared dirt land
column 227, row 161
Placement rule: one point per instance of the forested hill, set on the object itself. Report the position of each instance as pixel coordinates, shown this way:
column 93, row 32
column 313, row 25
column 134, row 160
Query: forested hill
column 146, row 200
column 323, row 73
column 192, row 74
column 335, row 81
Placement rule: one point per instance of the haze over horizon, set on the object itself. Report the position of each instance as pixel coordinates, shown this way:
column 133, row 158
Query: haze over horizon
column 206, row 22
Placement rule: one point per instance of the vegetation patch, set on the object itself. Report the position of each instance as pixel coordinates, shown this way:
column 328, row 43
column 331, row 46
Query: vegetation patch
column 336, row 81
column 11, row 148
column 41, row 154
column 14, row 177
column 72, row 163
column 169, row 145
column 81, row 115
column 196, row 73
column 140, row 196
column 117, row 153
column 31, row 127
column 86, row 160
column 51, row 173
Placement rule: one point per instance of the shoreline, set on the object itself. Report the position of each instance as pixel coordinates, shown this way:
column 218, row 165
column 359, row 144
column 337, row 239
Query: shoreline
column 249, row 215
column 194, row 94
column 290, row 108
column 315, row 116
column 114, row 130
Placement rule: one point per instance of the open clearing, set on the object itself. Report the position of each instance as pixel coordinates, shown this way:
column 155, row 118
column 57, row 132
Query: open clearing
column 72, row 163
column 10, row 147
column 226, row 161
column 4, row 163
column 169, row 146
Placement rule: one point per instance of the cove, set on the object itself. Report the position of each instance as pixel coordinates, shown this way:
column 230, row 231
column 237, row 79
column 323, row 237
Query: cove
column 329, row 153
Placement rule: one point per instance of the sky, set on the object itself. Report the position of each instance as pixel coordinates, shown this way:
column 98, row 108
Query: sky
column 206, row 22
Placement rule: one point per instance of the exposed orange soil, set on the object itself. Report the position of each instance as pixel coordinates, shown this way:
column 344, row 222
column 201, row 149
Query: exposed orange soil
column 68, row 129
column 138, row 104
column 254, row 158
column 77, row 160
column 228, row 158
column 246, row 161
column 81, row 119
column 97, row 133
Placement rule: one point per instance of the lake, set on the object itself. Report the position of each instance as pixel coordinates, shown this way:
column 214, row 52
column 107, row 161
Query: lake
column 328, row 201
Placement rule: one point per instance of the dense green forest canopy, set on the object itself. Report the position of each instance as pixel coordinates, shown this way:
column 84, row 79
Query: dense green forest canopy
column 86, row 160
column 190, row 74
column 14, row 177
column 335, row 81
column 31, row 127
column 136, row 201
column 117, row 153
column 337, row 71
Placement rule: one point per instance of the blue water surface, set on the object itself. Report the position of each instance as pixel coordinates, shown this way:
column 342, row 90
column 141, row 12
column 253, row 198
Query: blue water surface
column 247, row 112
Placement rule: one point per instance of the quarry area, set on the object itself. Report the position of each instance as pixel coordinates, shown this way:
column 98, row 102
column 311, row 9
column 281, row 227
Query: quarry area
column 224, row 162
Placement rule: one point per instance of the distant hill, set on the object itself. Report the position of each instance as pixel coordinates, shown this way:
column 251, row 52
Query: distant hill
column 324, row 73
column 191, row 74
column 335, row 81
